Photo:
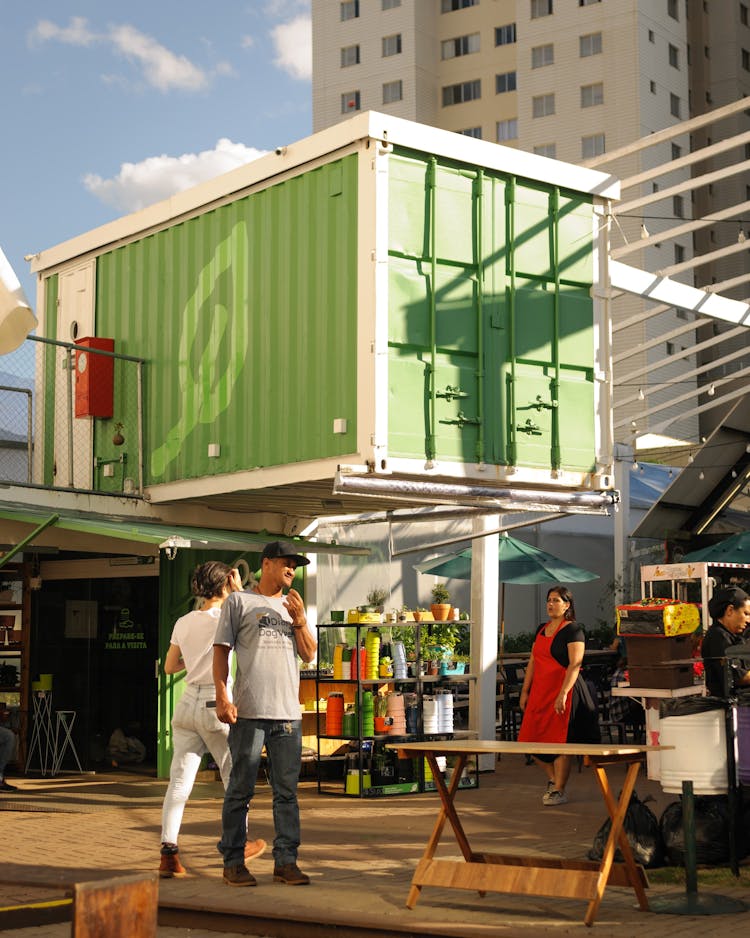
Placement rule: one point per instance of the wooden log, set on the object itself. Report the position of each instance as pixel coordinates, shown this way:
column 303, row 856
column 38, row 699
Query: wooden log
column 118, row 908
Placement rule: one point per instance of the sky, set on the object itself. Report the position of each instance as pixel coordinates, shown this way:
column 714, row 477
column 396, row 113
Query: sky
column 108, row 107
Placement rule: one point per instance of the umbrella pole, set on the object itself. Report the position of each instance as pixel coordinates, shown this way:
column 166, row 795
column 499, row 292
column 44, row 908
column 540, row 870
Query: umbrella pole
column 502, row 621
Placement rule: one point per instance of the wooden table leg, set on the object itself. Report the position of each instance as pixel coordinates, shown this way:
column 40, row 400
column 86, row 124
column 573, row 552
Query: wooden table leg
column 617, row 837
column 447, row 812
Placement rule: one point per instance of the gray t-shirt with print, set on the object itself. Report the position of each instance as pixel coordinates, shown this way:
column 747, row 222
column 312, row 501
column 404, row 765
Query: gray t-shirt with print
column 259, row 629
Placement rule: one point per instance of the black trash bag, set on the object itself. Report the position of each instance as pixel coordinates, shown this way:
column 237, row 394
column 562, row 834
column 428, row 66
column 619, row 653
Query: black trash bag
column 711, row 831
column 641, row 829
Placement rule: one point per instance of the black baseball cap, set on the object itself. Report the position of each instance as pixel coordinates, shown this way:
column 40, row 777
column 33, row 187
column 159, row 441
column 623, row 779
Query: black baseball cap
column 276, row 549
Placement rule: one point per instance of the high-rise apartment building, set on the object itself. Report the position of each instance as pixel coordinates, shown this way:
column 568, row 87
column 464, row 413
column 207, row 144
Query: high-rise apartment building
column 575, row 80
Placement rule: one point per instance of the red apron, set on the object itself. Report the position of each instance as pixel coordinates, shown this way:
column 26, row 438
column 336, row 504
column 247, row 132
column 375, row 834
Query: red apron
column 540, row 723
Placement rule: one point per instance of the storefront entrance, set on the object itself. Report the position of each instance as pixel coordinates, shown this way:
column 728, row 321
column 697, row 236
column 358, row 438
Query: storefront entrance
column 99, row 639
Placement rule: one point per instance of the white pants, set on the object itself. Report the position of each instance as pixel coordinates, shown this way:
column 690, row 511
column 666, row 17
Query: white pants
column 195, row 731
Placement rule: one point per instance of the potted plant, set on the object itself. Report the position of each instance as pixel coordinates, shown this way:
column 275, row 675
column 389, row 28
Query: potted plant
column 441, row 602
column 376, row 598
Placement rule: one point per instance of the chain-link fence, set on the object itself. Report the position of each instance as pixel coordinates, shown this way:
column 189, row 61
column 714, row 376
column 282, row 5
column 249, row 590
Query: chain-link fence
column 71, row 416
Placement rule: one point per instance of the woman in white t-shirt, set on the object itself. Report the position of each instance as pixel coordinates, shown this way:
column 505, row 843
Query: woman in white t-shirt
column 195, row 727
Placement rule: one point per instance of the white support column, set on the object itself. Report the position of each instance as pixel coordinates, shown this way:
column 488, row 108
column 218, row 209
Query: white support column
column 484, row 631
column 621, row 557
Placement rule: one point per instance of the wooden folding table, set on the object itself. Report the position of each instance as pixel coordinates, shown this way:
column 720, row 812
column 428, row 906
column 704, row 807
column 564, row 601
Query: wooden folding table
column 530, row 875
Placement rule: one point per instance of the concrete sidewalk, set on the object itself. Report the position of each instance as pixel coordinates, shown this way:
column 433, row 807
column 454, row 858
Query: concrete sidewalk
column 361, row 855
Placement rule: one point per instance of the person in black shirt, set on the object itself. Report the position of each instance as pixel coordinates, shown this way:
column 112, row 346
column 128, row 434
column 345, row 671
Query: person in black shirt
column 729, row 608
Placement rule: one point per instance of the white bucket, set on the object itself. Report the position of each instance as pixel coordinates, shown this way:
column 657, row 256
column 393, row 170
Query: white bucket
column 700, row 753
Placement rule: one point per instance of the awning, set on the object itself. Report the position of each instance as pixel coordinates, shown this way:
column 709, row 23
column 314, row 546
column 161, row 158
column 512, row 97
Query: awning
column 715, row 478
column 156, row 534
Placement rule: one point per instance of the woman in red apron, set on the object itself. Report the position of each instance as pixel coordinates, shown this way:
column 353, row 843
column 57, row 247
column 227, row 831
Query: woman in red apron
column 557, row 707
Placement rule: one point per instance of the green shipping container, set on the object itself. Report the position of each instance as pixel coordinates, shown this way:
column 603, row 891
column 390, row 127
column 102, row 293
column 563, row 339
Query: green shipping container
column 380, row 300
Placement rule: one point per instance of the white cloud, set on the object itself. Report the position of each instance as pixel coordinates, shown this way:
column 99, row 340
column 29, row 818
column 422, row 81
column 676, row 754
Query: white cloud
column 247, row 42
column 282, row 9
column 75, row 34
column 160, row 67
column 293, row 42
column 158, row 177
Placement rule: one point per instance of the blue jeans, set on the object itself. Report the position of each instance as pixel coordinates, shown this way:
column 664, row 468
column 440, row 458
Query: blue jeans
column 283, row 742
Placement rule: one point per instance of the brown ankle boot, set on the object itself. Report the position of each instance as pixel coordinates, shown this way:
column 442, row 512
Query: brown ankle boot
column 170, row 863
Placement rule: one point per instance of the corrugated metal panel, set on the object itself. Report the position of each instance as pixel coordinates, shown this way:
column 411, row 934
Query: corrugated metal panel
column 490, row 318
column 247, row 318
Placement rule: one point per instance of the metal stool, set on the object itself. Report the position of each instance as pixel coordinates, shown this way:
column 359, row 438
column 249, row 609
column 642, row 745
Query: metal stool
column 42, row 737
column 65, row 721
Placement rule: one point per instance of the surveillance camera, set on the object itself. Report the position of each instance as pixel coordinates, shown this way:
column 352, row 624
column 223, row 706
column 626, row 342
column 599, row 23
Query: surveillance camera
column 280, row 151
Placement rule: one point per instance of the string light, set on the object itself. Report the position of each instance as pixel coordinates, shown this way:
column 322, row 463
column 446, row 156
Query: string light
column 641, row 395
column 701, row 474
column 712, row 390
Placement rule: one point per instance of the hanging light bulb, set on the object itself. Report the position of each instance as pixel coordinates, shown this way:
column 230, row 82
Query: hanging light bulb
column 734, row 473
column 690, row 457
column 641, row 395
column 669, row 474
column 701, row 474
column 712, row 390
column 741, row 237
column 644, row 232
column 635, row 465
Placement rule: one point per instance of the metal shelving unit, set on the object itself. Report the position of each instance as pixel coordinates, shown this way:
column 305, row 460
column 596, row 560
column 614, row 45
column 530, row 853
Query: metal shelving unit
column 362, row 767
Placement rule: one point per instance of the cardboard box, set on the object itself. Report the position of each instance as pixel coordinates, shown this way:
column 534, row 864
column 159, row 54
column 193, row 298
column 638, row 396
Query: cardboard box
column 648, row 650
column 662, row 676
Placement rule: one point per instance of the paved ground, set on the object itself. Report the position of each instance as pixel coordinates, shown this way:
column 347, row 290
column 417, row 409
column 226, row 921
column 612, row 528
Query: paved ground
column 360, row 854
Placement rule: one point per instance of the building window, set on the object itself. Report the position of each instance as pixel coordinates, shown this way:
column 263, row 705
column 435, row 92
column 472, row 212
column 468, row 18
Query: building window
column 542, row 55
column 349, row 9
column 546, row 149
column 391, row 45
column 746, row 60
column 505, row 82
column 391, row 4
column 651, row 37
column 349, row 56
column 592, row 146
column 672, row 9
column 743, row 15
column 669, row 348
column 652, row 86
column 540, row 8
column 463, row 91
column 543, row 105
column 591, row 44
column 349, row 102
column 447, row 6
column 676, row 151
column 393, row 91
column 674, row 56
column 463, row 45
column 591, row 95
column 678, row 209
column 507, row 130
column 674, row 105
column 505, row 35
column 587, row 3
column 679, row 253
column 475, row 132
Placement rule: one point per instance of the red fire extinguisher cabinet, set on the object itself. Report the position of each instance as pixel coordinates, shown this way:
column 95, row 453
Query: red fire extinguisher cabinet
column 94, row 385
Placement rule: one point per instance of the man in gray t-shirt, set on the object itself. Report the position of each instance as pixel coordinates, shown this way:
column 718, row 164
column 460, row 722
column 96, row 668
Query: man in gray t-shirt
column 267, row 630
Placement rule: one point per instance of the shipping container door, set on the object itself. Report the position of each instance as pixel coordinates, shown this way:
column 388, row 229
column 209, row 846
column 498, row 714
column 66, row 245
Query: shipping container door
column 547, row 365
column 434, row 312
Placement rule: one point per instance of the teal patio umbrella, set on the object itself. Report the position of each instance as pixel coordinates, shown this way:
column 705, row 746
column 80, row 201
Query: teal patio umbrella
column 519, row 563
column 734, row 549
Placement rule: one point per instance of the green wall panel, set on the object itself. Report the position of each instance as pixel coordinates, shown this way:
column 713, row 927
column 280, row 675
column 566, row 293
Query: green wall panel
column 244, row 315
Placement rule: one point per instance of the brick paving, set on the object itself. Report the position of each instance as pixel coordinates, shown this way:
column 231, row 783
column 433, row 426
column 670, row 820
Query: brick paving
column 360, row 854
